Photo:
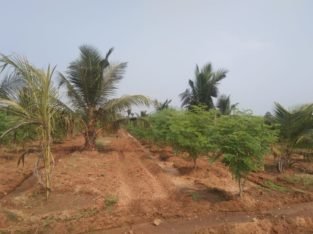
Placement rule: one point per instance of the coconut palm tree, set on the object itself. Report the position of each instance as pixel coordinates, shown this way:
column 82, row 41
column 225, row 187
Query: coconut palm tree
column 269, row 118
column 28, row 96
column 224, row 105
column 204, row 88
column 91, row 81
column 159, row 106
column 295, row 131
column 294, row 124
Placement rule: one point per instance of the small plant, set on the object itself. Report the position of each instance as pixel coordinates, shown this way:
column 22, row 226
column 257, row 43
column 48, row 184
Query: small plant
column 110, row 201
column 12, row 216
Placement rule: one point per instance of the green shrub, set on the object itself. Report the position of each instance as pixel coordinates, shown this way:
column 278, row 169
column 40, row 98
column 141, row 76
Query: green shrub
column 187, row 131
column 305, row 180
column 19, row 136
column 196, row 196
column 244, row 140
column 110, row 201
column 100, row 145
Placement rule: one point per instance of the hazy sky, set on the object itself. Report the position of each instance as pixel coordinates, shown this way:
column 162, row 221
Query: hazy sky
column 267, row 45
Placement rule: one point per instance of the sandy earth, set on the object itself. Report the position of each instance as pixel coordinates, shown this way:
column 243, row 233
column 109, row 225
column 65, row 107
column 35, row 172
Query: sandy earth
column 125, row 187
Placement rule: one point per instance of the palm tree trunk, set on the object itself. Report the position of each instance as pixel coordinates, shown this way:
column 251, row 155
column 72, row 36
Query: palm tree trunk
column 194, row 159
column 280, row 164
column 90, row 139
column 91, row 133
column 47, row 156
column 47, row 162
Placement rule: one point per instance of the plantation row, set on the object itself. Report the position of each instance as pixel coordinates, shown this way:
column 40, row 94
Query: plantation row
column 243, row 140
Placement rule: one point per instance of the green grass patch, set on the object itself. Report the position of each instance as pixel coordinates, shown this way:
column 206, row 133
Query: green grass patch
column 276, row 187
column 305, row 180
column 100, row 145
column 11, row 216
column 110, row 201
column 48, row 220
column 196, row 196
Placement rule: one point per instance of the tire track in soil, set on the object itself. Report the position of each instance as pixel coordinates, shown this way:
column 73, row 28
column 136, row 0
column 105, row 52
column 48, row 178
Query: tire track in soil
column 186, row 226
column 137, row 181
column 125, row 191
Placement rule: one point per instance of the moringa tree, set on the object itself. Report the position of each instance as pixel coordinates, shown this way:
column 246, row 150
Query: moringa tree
column 91, row 81
column 243, row 140
column 27, row 95
column 204, row 88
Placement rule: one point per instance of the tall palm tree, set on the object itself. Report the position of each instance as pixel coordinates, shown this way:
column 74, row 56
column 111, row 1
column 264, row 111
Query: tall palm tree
column 28, row 96
column 224, row 105
column 204, row 88
column 91, row 81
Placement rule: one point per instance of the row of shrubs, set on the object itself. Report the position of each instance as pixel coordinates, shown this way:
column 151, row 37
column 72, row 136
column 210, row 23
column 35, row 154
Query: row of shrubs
column 242, row 140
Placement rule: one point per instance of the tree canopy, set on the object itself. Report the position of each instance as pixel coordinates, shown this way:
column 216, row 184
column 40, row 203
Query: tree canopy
column 91, row 82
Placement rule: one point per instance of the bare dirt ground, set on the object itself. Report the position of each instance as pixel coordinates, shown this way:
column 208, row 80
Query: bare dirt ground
column 125, row 187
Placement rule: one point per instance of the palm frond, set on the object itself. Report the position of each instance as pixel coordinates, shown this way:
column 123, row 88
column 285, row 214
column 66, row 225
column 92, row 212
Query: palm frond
column 108, row 53
column 295, row 126
column 224, row 105
column 85, row 74
column 124, row 102
column 13, row 107
column 185, row 98
column 203, row 88
column 91, row 79
column 280, row 113
column 207, row 69
column 161, row 105
column 111, row 76
column 219, row 75
column 9, row 85
column 17, row 126
column 71, row 92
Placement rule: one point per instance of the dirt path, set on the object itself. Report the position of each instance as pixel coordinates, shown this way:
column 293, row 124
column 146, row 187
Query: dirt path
column 137, row 181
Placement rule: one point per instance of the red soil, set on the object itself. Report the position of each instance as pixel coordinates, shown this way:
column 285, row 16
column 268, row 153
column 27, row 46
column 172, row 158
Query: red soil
column 125, row 186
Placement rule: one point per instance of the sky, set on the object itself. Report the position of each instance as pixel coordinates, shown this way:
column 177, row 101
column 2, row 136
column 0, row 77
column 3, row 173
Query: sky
column 266, row 45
